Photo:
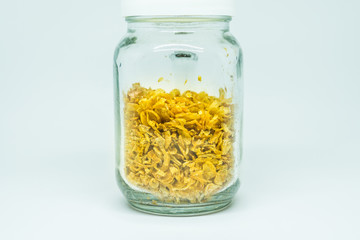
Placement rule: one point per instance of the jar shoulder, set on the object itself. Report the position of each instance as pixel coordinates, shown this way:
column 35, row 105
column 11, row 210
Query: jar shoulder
column 232, row 41
column 125, row 43
column 136, row 45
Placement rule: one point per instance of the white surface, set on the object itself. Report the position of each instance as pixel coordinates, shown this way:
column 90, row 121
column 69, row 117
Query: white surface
column 177, row 7
column 301, row 162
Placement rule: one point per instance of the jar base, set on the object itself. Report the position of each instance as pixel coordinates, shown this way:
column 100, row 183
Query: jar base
column 148, row 203
column 180, row 211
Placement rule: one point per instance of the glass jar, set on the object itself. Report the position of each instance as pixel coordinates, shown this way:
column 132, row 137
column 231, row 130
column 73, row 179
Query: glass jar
column 178, row 109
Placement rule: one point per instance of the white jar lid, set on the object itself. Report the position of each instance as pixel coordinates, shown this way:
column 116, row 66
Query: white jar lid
column 177, row 7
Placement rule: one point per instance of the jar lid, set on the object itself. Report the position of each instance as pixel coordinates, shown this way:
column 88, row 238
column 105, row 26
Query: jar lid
column 177, row 7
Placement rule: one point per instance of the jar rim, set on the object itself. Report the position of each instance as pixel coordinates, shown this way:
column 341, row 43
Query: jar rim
column 179, row 18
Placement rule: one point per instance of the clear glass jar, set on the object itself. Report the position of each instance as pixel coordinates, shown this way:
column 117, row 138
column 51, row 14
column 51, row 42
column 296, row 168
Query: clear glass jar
column 178, row 109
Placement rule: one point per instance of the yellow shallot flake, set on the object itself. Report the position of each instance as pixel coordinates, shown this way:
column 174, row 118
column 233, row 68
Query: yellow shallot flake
column 178, row 146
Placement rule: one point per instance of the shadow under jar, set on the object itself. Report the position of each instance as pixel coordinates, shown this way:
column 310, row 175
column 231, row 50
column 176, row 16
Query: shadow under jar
column 178, row 109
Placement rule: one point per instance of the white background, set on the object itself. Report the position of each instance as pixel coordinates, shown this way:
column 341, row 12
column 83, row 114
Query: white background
column 301, row 167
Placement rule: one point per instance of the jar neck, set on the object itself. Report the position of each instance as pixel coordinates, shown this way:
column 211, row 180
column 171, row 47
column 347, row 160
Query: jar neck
column 178, row 23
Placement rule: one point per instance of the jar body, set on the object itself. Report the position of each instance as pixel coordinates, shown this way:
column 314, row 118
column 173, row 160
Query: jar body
column 178, row 110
